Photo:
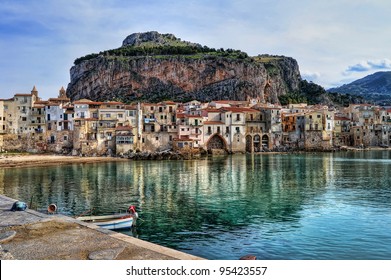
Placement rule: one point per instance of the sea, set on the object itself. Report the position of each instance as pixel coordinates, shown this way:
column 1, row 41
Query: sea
column 304, row 206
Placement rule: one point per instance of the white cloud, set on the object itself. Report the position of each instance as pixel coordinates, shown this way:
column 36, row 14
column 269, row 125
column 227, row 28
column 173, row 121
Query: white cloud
column 310, row 76
column 369, row 65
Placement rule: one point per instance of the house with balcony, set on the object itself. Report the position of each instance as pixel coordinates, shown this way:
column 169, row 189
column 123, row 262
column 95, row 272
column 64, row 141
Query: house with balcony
column 272, row 115
column 158, row 120
column 318, row 130
column 124, row 140
column 293, row 126
column 85, row 133
column 341, row 131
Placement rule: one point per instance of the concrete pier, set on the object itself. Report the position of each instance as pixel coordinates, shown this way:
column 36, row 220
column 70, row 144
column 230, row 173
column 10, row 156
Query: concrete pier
column 31, row 235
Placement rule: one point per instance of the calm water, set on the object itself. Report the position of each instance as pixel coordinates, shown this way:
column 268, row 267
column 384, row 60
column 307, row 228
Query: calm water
column 311, row 206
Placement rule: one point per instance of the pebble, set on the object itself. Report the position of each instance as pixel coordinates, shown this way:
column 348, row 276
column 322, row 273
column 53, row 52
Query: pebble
column 4, row 255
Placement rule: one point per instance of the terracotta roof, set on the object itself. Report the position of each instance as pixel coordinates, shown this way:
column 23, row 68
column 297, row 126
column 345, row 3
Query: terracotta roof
column 131, row 107
column 22, row 94
column 87, row 101
column 238, row 109
column 210, row 110
column 112, row 103
column 336, row 118
column 85, row 119
column 169, row 102
column 41, row 102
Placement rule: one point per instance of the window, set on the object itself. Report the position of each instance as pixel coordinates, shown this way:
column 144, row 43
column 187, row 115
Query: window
column 218, row 129
column 65, row 138
column 227, row 130
column 24, row 119
column 209, row 130
column 124, row 139
column 120, row 115
column 238, row 117
column 318, row 116
column 108, row 115
column 237, row 129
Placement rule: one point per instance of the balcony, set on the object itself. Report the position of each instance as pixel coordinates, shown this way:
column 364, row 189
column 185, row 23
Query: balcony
column 106, row 118
column 37, row 113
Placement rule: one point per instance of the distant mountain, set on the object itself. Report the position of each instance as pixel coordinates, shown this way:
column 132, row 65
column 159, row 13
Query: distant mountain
column 375, row 87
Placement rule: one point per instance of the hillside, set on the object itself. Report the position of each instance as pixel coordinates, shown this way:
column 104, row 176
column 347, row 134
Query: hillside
column 375, row 87
column 154, row 67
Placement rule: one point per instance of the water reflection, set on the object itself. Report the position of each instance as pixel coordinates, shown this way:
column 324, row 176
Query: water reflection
column 221, row 207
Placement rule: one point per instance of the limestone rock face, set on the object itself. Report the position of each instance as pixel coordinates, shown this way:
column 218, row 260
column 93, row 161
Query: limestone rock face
column 180, row 77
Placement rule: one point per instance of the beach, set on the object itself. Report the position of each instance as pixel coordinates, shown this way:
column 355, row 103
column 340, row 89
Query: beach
column 26, row 160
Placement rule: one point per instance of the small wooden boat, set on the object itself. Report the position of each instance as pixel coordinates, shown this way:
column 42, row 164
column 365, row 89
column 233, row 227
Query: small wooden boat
column 116, row 221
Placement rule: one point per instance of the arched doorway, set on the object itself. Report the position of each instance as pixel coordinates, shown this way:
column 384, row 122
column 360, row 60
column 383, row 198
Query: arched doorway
column 265, row 141
column 249, row 144
column 216, row 143
column 257, row 143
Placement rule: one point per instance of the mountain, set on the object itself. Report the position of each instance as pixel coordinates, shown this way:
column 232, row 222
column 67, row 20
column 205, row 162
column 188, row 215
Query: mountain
column 153, row 67
column 375, row 87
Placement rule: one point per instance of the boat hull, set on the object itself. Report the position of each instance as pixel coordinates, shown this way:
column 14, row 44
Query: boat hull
column 110, row 221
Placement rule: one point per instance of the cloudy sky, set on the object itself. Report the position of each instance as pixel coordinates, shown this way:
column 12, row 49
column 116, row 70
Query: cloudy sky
column 334, row 41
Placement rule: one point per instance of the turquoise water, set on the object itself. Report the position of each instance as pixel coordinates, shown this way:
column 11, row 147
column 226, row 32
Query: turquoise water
column 298, row 206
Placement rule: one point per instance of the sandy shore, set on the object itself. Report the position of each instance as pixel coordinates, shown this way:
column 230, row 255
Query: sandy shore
column 12, row 161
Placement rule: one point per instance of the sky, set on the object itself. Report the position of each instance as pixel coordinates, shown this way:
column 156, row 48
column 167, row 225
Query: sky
column 333, row 41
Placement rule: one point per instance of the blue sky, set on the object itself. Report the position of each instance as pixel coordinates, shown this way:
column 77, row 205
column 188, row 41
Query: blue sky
column 334, row 41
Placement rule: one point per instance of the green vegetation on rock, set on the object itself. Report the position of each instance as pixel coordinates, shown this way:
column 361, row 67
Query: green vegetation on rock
column 166, row 51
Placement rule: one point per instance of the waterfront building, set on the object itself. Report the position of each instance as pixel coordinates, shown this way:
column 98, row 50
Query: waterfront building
column 293, row 125
column 2, row 117
column 85, row 141
column 272, row 115
column 124, row 139
column 59, row 114
column 318, row 129
column 133, row 119
column 257, row 138
column 110, row 115
column 341, row 132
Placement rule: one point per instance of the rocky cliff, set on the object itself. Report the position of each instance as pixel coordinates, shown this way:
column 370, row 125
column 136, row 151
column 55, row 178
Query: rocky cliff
column 154, row 67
